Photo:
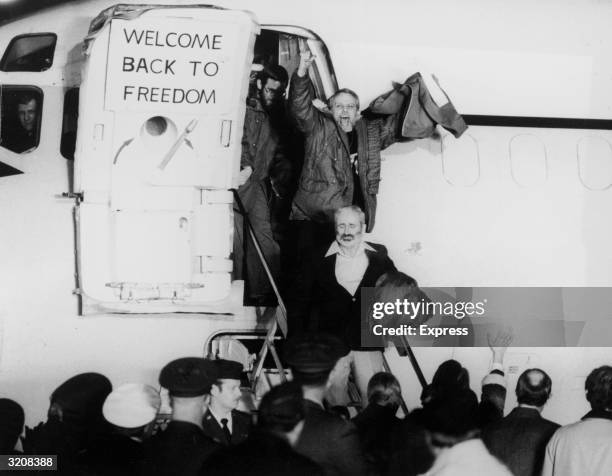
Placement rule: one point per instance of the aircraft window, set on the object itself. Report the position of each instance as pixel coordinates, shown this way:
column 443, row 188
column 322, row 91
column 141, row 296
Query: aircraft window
column 69, row 124
column 595, row 163
column 29, row 53
column 460, row 161
column 20, row 110
column 528, row 160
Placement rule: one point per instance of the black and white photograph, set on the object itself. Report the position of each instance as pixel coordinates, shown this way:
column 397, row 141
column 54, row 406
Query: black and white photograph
column 278, row 237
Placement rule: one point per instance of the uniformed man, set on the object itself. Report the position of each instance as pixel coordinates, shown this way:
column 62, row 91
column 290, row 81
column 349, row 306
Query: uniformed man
column 327, row 439
column 268, row 450
column 222, row 422
column 74, row 421
column 183, row 447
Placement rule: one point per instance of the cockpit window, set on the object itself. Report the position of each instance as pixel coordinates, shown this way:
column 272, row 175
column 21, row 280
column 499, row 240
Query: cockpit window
column 20, row 113
column 29, row 53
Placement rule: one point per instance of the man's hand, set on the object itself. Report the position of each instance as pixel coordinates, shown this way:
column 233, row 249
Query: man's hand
column 306, row 59
column 499, row 343
column 244, row 175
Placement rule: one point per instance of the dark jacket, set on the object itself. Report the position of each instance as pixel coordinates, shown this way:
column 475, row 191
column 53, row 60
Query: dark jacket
column 241, row 426
column 419, row 111
column 326, row 182
column 519, row 440
column 262, row 146
column 19, row 140
column 181, row 449
column 377, row 426
column 331, row 442
column 318, row 303
column 114, row 455
column 262, row 454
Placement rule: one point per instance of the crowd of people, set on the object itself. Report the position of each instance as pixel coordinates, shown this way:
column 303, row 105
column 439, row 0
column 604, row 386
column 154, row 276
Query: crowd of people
column 97, row 430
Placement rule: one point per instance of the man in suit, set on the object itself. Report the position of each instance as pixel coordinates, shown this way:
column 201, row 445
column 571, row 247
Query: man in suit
column 268, row 451
column 519, row 440
column 183, row 447
column 326, row 438
column 327, row 298
column 222, row 422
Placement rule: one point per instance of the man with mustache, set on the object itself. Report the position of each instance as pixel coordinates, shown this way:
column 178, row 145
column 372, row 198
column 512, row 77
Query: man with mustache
column 326, row 297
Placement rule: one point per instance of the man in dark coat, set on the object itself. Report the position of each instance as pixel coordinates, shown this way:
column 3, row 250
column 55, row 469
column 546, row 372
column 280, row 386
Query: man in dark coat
column 341, row 161
column 327, row 439
column 262, row 163
column 222, row 421
column 520, row 439
column 378, row 423
column 326, row 297
column 183, row 447
column 269, row 450
column 74, row 421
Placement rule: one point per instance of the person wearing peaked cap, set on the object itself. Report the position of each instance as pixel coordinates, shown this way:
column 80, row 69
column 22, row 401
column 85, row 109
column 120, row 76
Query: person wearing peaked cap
column 132, row 406
column 80, row 398
column 131, row 410
column 188, row 377
column 326, row 438
column 222, row 421
column 74, row 420
column 269, row 449
column 183, row 447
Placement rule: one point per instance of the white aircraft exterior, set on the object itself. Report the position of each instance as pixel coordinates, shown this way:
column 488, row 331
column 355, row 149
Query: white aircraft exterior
column 521, row 199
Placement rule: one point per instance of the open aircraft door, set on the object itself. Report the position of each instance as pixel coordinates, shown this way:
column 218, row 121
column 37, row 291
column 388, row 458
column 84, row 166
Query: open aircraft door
column 162, row 106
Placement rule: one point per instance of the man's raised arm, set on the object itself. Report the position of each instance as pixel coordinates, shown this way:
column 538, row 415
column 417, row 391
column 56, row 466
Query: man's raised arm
column 301, row 95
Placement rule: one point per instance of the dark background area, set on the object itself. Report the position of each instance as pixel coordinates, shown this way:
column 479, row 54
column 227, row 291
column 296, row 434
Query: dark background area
column 17, row 8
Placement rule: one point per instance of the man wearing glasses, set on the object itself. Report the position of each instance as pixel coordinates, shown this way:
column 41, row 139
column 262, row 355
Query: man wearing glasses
column 341, row 161
column 262, row 162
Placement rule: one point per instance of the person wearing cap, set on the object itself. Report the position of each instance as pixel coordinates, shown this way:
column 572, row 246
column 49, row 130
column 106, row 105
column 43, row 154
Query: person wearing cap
column 74, row 421
column 269, row 449
column 130, row 410
column 182, row 447
column 327, row 439
column 326, row 297
column 222, row 422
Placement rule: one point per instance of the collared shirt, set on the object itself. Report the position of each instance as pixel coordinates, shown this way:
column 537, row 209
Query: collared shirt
column 219, row 418
column 350, row 269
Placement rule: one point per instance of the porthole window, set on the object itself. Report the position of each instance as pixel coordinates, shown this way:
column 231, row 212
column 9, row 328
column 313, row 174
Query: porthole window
column 21, row 110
